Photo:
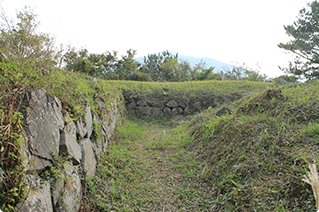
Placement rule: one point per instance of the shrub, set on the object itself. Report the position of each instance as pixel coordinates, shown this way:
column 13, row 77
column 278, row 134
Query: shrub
column 139, row 76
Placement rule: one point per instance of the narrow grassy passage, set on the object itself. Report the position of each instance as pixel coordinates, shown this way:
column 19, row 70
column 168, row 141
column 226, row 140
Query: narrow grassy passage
column 148, row 168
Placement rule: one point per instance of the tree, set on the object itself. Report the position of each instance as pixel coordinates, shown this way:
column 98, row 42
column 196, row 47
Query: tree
column 105, row 66
column 304, row 43
column 161, row 67
column 184, row 70
column 139, row 76
column 21, row 42
column 207, row 74
column 243, row 72
column 127, row 65
column 288, row 78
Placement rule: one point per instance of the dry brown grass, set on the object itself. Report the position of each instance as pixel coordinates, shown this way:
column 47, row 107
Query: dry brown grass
column 313, row 180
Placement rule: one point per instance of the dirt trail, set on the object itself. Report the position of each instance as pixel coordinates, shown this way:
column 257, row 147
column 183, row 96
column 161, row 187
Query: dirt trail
column 158, row 173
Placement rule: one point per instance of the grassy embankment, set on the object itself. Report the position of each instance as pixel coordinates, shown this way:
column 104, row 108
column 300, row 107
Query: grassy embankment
column 74, row 90
column 254, row 159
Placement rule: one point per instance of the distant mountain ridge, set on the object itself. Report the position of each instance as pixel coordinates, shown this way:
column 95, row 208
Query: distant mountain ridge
column 219, row 66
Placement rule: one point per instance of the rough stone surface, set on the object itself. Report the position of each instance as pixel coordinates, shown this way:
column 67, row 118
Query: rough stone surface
column 69, row 146
column 67, row 193
column 50, row 133
column 156, row 112
column 107, row 129
column 43, row 128
column 85, row 125
column 174, row 112
column 73, row 194
column 197, row 104
column 186, row 110
column 88, row 157
column 141, row 102
column 131, row 106
column 188, row 104
column 167, row 111
column 172, row 104
column 224, row 111
column 145, row 110
column 100, row 143
column 102, row 105
column 155, row 103
column 39, row 197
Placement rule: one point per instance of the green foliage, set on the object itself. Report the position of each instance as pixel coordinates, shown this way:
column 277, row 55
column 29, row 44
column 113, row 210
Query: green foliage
column 28, row 62
column 97, row 65
column 126, row 66
column 147, row 168
column 105, row 66
column 12, row 173
column 243, row 72
column 166, row 67
column 22, row 43
column 304, row 43
column 139, row 76
column 255, row 155
column 161, row 67
column 287, row 78
column 207, row 74
column 190, row 90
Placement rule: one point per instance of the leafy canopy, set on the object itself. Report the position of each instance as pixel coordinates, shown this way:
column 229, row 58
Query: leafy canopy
column 305, row 43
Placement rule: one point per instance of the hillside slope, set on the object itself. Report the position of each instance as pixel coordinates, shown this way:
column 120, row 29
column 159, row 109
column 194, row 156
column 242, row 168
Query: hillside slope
column 257, row 157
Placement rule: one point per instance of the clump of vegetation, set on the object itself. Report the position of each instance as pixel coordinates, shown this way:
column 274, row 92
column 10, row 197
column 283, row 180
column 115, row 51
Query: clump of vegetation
column 257, row 156
column 313, row 180
column 140, row 76
column 251, row 160
column 28, row 61
column 12, row 171
column 191, row 90
column 161, row 67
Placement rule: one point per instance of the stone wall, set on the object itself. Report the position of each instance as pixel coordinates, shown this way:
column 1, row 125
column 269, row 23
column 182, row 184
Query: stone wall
column 170, row 105
column 51, row 134
column 56, row 142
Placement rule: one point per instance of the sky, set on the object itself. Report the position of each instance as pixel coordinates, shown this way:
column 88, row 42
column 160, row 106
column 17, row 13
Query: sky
column 232, row 31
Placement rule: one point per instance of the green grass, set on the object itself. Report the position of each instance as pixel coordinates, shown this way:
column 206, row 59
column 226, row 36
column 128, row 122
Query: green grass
column 191, row 90
column 149, row 168
column 256, row 157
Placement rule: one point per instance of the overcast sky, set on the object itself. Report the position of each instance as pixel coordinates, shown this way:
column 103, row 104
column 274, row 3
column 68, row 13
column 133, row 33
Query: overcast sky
column 245, row 31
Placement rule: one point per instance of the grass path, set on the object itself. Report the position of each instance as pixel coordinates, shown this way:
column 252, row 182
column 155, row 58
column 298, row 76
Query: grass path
column 148, row 168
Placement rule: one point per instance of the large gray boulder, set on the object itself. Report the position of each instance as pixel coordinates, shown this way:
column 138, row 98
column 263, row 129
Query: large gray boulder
column 67, row 192
column 69, row 145
column 172, row 104
column 42, row 128
column 73, row 194
column 85, row 125
column 156, row 112
column 39, row 197
column 88, row 157
column 132, row 105
column 147, row 111
column 155, row 103
column 167, row 112
column 141, row 102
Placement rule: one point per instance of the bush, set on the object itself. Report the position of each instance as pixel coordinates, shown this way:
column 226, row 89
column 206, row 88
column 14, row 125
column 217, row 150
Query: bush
column 139, row 76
